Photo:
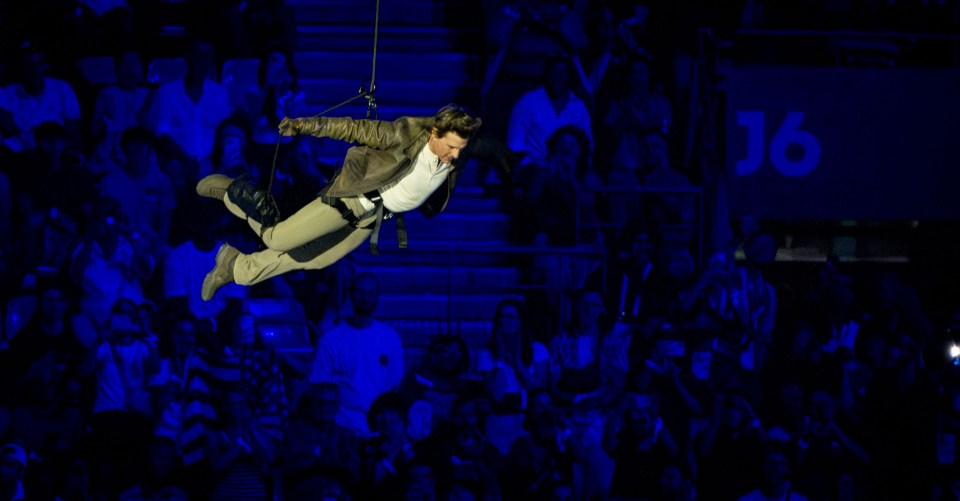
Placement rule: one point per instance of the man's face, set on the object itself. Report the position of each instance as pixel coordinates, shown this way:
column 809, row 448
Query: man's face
column 364, row 294
column 655, row 152
column 139, row 156
column 448, row 147
column 130, row 69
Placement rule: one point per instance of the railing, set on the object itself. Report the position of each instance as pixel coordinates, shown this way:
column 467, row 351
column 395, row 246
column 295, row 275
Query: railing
column 453, row 257
column 695, row 192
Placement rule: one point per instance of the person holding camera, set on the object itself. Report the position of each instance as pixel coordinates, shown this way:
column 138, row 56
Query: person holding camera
column 733, row 437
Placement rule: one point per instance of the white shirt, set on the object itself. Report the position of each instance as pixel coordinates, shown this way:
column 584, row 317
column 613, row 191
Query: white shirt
column 192, row 125
column 413, row 189
column 56, row 103
column 533, row 120
column 364, row 362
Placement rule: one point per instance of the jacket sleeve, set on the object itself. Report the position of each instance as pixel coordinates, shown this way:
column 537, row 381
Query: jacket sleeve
column 373, row 133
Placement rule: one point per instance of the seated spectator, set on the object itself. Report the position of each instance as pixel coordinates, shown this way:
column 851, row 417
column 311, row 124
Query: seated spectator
column 641, row 447
column 144, row 192
column 638, row 107
column 184, row 397
column 279, row 95
column 108, row 265
column 248, row 27
column 6, row 225
column 538, row 113
column 13, row 467
column 583, row 382
column 185, row 113
column 733, row 437
column 512, row 366
column 246, row 364
column 162, row 477
column 775, row 483
column 440, row 377
column 642, row 160
column 300, row 173
column 467, row 464
column 318, row 455
column 390, row 451
column 46, row 338
column 119, row 106
column 122, row 412
column 243, row 454
column 32, row 171
column 34, row 98
column 232, row 155
column 828, row 452
column 551, row 192
column 185, row 265
column 540, row 463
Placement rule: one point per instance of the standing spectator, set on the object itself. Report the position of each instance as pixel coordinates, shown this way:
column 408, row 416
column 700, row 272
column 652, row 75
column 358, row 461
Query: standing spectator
column 119, row 106
column 34, row 98
column 541, row 111
column 362, row 355
column 184, row 114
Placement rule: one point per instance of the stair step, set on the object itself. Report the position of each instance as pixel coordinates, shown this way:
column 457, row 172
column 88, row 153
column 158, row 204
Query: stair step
column 418, row 333
column 356, row 67
column 436, row 252
column 359, row 38
column 411, row 91
column 438, row 306
column 438, row 278
column 385, row 110
column 406, row 12
column 464, row 227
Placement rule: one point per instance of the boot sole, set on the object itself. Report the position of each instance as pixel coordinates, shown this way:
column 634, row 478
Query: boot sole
column 210, row 282
column 214, row 186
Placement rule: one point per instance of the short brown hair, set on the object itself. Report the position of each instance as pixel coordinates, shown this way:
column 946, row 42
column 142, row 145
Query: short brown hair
column 455, row 118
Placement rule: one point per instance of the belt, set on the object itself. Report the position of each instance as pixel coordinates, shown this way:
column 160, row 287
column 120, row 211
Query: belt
column 379, row 210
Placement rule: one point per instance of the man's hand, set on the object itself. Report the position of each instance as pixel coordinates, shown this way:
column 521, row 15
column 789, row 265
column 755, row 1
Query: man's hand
column 289, row 126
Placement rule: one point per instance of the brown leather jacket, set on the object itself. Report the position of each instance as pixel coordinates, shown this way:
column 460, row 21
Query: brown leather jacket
column 384, row 153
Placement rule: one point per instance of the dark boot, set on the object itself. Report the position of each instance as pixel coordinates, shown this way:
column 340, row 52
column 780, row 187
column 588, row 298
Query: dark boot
column 256, row 203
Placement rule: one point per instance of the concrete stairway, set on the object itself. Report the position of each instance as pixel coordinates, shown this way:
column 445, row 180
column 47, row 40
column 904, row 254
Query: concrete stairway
column 459, row 264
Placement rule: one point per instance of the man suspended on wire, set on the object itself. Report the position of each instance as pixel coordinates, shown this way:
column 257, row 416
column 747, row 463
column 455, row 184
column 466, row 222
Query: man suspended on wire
column 394, row 167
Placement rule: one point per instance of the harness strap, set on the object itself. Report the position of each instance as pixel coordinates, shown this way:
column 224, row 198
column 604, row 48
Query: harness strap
column 381, row 213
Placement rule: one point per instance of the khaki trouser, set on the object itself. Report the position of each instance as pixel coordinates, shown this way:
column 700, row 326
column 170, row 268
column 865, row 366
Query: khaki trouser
column 312, row 238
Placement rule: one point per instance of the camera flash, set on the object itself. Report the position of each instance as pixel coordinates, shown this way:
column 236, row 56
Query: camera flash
column 954, row 351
